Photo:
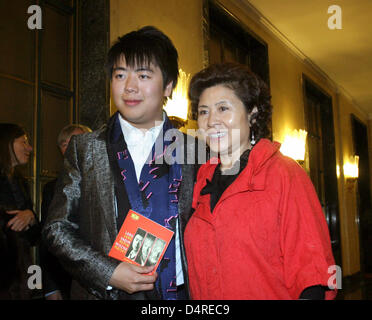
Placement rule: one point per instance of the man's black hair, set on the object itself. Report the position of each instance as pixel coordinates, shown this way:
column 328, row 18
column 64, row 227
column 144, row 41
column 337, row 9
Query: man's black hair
column 142, row 47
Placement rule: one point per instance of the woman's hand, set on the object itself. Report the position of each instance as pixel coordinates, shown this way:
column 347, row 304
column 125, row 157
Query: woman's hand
column 22, row 221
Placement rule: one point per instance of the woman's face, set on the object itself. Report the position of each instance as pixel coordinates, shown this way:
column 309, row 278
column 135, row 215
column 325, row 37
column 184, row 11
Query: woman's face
column 22, row 150
column 224, row 121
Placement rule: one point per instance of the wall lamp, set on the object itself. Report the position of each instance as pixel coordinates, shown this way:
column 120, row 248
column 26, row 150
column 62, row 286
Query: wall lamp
column 294, row 145
column 351, row 171
column 177, row 108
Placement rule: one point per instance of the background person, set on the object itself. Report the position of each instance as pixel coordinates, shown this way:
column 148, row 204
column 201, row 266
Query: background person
column 19, row 227
column 56, row 281
column 258, row 230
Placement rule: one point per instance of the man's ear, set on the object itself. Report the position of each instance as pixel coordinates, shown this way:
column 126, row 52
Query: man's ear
column 168, row 89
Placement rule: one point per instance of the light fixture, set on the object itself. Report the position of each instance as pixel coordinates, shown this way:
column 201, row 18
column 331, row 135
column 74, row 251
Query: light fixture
column 338, row 173
column 351, row 171
column 177, row 107
column 294, row 145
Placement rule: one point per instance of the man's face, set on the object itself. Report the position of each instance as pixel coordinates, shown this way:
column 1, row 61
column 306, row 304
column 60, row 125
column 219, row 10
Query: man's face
column 137, row 242
column 138, row 93
column 63, row 146
column 155, row 252
column 146, row 247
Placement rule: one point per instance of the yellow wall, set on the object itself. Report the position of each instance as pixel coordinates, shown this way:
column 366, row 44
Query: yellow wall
column 182, row 21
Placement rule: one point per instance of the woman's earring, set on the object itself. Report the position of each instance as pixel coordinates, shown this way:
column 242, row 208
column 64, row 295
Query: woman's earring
column 252, row 122
column 253, row 142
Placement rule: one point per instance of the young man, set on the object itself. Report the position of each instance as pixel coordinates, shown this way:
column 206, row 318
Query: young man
column 116, row 168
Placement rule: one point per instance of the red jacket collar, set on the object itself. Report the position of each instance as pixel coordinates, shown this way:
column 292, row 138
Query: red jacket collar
column 250, row 178
column 259, row 156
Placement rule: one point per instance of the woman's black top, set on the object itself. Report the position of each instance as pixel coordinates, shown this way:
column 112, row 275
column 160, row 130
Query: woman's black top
column 221, row 180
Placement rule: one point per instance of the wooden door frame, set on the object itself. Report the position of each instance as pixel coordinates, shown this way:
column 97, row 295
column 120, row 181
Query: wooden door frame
column 355, row 119
column 334, row 226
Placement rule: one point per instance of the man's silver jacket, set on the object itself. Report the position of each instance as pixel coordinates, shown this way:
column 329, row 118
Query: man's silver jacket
column 81, row 225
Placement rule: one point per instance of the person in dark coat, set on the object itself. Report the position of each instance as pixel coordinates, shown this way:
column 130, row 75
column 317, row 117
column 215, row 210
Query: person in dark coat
column 19, row 227
column 56, row 280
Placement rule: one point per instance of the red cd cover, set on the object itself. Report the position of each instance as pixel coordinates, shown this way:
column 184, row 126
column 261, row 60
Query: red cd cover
column 141, row 241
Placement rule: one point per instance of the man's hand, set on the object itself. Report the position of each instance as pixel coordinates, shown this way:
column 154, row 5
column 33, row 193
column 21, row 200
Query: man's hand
column 132, row 278
column 23, row 219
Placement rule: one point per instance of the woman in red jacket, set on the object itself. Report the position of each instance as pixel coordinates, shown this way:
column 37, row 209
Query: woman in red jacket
column 258, row 230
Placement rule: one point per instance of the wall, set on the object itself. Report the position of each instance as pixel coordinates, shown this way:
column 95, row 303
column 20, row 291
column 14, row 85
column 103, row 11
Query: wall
column 93, row 40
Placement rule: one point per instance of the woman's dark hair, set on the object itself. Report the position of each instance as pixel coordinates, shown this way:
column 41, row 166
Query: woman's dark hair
column 142, row 47
column 8, row 133
column 247, row 86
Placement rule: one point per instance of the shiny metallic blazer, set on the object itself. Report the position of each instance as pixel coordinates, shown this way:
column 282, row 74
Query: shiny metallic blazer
column 81, row 225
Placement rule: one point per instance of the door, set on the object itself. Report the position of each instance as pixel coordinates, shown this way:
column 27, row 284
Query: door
column 360, row 141
column 37, row 80
column 230, row 41
column 322, row 158
column 56, row 84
